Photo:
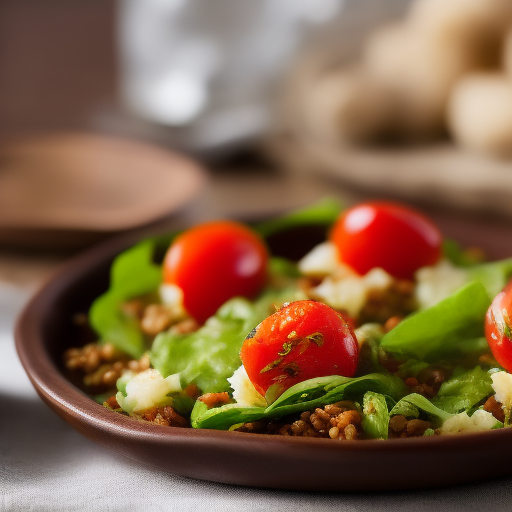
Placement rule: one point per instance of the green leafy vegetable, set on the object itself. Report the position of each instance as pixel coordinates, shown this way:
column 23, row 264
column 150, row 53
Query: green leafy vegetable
column 375, row 420
column 301, row 397
column 369, row 336
column 411, row 368
column 133, row 274
column 464, row 390
column 418, row 402
column 210, row 355
column 324, row 212
column 437, row 330
column 459, row 256
column 494, row 276
column 405, row 408
column 283, row 268
column 182, row 403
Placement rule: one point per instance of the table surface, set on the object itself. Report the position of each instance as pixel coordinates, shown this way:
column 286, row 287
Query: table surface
column 46, row 465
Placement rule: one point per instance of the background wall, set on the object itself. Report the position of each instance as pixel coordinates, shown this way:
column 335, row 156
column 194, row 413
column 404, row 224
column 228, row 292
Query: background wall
column 57, row 63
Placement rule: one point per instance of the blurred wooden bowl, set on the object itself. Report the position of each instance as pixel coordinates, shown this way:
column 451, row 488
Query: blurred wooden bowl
column 70, row 189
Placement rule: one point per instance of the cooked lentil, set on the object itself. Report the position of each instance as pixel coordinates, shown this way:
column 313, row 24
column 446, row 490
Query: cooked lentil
column 339, row 421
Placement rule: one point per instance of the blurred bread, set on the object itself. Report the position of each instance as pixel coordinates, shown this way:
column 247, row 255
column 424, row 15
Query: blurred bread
column 480, row 113
column 421, row 58
column 420, row 73
column 346, row 106
column 405, row 82
column 478, row 25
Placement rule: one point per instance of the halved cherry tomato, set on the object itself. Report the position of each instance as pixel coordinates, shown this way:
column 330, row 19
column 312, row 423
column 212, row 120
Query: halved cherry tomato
column 214, row 262
column 302, row 340
column 388, row 235
column 498, row 327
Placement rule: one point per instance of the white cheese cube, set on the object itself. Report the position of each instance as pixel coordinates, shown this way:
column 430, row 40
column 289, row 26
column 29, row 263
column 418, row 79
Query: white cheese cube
column 172, row 297
column 322, row 261
column 148, row 389
column 350, row 293
column 438, row 282
column 480, row 420
column 502, row 385
column 244, row 392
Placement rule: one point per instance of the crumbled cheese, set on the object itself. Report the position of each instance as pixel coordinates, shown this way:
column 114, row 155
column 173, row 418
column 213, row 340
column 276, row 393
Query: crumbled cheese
column 172, row 297
column 438, row 282
column 244, row 392
column 350, row 293
column 480, row 420
column 502, row 385
column 148, row 389
column 323, row 261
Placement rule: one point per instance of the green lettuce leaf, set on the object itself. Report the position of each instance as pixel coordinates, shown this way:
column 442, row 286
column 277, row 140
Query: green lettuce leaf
column 410, row 405
column 301, row 397
column 465, row 389
column 405, row 408
column 375, row 420
column 133, row 274
column 437, row 331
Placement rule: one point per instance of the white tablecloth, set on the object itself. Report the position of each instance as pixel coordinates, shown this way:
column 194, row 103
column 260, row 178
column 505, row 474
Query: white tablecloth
column 46, row 466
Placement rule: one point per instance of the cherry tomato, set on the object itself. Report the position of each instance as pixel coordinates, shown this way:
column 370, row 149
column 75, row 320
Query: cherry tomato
column 392, row 236
column 214, row 262
column 302, row 340
column 498, row 327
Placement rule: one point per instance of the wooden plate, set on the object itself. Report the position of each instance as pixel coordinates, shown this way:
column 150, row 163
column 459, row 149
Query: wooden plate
column 63, row 188
column 44, row 330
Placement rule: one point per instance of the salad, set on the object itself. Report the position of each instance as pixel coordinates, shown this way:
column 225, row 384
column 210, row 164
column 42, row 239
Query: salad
column 382, row 330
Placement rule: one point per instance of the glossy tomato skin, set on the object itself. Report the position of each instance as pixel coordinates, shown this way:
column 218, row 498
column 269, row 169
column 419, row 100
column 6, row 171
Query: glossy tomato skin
column 214, row 262
column 388, row 235
column 498, row 327
column 302, row 340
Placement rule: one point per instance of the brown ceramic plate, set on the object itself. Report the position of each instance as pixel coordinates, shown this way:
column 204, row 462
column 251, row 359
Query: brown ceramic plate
column 45, row 329
column 72, row 188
